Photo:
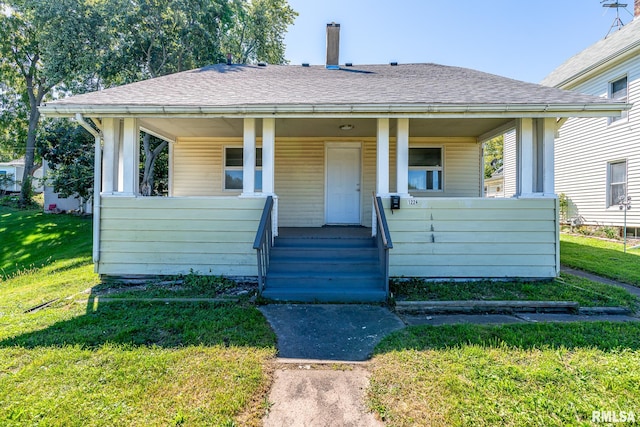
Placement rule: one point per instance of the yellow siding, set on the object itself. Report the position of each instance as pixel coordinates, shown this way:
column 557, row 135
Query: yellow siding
column 154, row 235
column 300, row 172
column 299, row 182
column 472, row 238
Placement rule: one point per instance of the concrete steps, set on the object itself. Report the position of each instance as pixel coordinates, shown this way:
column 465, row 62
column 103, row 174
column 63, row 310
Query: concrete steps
column 339, row 266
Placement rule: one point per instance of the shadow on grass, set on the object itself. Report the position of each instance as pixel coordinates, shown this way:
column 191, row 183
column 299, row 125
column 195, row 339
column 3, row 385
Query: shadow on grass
column 160, row 324
column 606, row 336
column 33, row 239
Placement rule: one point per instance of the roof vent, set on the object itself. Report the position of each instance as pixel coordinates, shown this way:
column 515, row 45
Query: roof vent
column 305, row 64
column 262, row 64
column 349, row 64
column 393, row 64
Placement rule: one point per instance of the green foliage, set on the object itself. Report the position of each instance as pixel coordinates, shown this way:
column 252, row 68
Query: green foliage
column 493, row 155
column 6, row 181
column 563, row 201
column 69, row 151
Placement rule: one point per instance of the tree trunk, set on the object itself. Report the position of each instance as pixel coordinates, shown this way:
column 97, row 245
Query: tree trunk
column 26, row 190
column 150, row 156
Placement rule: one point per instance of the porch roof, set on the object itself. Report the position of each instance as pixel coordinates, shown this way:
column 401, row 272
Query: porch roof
column 410, row 90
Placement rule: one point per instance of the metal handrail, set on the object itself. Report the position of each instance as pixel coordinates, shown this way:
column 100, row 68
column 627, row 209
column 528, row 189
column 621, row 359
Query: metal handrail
column 383, row 240
column 382, row 222
column 263, row 242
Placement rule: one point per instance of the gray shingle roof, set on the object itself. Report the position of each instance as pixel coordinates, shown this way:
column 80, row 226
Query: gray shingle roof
column 605, row 50
column 405, row 84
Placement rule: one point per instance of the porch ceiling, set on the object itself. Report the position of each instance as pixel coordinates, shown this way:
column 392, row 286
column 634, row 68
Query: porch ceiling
column 224, row 127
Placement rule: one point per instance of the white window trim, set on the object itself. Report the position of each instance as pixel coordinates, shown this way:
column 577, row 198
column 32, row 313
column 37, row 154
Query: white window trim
column 624, row 118
column 225, row 168
column 428, row 168
column 609, row 182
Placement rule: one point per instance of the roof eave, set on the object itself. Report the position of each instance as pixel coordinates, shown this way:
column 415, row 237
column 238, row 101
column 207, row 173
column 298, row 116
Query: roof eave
column 332, row 110
column 610, row 60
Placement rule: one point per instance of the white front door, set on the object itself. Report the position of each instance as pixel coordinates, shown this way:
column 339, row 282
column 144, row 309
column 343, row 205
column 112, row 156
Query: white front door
column 343, row 185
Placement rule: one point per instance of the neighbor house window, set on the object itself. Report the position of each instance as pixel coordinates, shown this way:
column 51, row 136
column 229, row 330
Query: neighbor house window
column 425, row 169
column 618, row 91
column 616, row 182
column 233, row 161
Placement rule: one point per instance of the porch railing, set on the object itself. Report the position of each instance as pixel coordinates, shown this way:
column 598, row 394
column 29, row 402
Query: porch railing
column 264, row 242
column 383, row 240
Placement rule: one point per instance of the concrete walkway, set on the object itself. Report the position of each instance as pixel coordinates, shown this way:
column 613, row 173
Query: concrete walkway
column 321, row 379
column 634, row 290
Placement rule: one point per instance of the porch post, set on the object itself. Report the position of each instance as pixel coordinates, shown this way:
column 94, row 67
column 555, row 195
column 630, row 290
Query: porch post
column 548, row 142
column 249, row 157
column 402, row 157
column 268, row 154
column 524, row 156
column 131, row 154
column 111, row 135
column 382, row 157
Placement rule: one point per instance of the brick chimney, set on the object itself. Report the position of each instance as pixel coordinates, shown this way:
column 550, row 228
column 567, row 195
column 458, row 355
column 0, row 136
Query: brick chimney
column 636, row 9
column 333, row 45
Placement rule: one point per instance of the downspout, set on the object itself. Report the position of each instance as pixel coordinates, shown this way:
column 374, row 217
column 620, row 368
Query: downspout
column 97, row 177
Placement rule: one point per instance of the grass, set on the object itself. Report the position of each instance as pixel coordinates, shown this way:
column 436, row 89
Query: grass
column 84, row 362
column 601, row 257
column 32, row 239
column 565, row 288
column 511, row 375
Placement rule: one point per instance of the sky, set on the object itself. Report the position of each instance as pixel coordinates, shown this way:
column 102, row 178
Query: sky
column 520, row 39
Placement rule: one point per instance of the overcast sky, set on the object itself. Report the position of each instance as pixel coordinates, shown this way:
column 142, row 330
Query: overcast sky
column 521, row 39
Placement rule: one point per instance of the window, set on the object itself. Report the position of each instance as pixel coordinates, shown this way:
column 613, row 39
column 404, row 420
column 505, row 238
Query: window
column 618, row 91
column 616, row 182
column 233, row 160
column 425, row 169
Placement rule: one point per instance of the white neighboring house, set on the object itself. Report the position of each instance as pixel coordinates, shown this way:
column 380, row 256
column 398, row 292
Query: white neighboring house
column 494, row 186
column 54, row 203
column 15, row 168
column 598, row 159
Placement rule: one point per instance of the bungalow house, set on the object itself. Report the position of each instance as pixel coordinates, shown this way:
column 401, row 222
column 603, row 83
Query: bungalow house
column 597, row 158
column 307, row 163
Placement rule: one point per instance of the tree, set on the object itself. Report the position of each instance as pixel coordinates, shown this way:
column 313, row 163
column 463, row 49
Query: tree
column 493, row 155
column 257, row 32
column 69, row 151
column 43, row 45
column 151, row 38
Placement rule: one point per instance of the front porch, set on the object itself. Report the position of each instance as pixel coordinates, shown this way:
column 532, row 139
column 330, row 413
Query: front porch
column 218, row 184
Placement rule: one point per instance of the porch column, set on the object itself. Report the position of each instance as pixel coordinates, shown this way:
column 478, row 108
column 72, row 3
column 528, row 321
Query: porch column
column 268, row 154
column 548, row 162
column 249, row 157
column 402, row 158
column 524, row 156
column 131, row 155
column 382, row 158
column 111, row 135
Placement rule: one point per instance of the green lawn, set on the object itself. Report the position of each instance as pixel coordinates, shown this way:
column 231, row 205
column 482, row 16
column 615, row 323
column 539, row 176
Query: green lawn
column 566, row 288
column 601, row 257
column 84, row 362
column 512, row 375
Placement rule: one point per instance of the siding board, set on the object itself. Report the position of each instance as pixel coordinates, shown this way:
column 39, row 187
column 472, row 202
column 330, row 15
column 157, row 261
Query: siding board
column 150, row 235
column 586, row 145
column 437, row 238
